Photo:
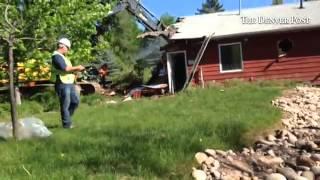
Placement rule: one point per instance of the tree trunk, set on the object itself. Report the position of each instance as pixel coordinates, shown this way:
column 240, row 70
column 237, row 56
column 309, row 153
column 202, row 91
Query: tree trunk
column 12, row 90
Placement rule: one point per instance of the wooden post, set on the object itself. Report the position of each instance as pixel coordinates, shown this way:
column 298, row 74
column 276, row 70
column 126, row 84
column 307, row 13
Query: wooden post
column 201, row 76
column 12, row 89
column 17, row 95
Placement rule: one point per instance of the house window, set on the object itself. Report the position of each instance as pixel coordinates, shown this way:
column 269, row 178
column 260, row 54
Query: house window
column 230, row 57
column 284, row 46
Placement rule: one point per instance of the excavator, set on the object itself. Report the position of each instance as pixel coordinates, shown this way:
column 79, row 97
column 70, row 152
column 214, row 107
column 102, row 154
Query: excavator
column 154, row 27
column 143, row 15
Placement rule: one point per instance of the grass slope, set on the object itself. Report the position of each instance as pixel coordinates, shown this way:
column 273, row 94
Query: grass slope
column 145, row 139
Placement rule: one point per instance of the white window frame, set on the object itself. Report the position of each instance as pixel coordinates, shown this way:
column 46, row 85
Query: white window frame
column 241, row 57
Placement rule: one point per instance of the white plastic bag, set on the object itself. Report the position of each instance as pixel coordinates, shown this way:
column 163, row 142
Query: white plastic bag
column 5, row 130
column 30, row 127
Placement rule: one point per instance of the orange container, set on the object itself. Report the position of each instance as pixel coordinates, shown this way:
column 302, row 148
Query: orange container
column 137, row 94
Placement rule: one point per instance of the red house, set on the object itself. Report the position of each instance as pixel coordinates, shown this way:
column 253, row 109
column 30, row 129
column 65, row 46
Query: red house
column 276, row 42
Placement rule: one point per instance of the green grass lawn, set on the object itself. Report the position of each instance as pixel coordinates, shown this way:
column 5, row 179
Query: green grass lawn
column 144, row 139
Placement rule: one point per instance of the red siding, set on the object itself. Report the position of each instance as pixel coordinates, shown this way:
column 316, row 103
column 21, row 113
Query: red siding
column 260, row 57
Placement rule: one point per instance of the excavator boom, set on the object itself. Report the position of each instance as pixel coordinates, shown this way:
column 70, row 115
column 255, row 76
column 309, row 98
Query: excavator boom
column 143, row 15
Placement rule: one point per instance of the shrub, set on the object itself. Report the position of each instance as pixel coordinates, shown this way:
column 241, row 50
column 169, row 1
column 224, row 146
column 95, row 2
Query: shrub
column 4, row 109
column 30, row 108
column 93, row 99
column 4, row 98
column 47, row 100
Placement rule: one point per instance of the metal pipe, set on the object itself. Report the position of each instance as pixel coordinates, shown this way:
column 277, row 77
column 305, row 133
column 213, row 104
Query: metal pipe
column 301, row 4
column 201, row 76
column 240, row 4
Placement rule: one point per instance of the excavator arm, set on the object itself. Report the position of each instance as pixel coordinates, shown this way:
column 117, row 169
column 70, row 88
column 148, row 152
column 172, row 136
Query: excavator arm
column 143, row 15
column 154, row 27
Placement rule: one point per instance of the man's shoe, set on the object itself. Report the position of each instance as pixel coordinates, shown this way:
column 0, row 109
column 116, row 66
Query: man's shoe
column 69, row 127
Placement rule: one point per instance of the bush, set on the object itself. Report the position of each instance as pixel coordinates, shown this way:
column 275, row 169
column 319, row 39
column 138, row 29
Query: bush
column 48, row 100
column 4, row 109
column 30, row 108
column 93, row 99
column 4, row 98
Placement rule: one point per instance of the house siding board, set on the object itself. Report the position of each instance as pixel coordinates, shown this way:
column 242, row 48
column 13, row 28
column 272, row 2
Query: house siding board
column 260, row 57
column 260, row 72
column 310, row 76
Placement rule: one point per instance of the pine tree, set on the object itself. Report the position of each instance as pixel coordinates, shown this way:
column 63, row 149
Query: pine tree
column 210, row 6
column 277, row 2
column 167, row 19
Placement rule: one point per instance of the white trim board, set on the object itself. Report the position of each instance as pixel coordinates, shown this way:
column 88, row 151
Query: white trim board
column 169, row 68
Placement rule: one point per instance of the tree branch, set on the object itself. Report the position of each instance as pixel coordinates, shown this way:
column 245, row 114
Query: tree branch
column 7, row 20
column 31, row 38
column 5, row 26
column 3, row 4
column 4, row 39
column 27, row 38
column 6, row 29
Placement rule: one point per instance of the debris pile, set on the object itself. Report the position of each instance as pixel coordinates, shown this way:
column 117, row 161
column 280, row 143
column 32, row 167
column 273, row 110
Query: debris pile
column 291, row 153
column 87, row 87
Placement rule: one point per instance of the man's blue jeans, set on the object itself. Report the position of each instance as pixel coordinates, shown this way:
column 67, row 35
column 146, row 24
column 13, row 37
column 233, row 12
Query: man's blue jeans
column 69, row 101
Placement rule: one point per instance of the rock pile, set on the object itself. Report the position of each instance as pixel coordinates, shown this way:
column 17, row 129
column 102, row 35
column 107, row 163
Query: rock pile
column 291, row 153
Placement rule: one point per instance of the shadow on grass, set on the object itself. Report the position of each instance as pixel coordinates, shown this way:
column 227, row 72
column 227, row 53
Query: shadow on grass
column 53, row 126
column 155, row 152
column 2, row 140
column 131, row 153
column 138, row 153
column 232, row 132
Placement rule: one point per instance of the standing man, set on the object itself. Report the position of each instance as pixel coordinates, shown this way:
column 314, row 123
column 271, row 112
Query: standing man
column 63, row 73
column 103, row 73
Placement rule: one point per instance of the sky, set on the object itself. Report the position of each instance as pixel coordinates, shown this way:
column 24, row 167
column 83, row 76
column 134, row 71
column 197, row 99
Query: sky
column 180, row 8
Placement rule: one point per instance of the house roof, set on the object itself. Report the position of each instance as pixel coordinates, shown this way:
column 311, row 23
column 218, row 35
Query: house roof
column 256, row 20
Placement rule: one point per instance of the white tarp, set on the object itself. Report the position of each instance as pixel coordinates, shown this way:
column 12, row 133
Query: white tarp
column 30, row 127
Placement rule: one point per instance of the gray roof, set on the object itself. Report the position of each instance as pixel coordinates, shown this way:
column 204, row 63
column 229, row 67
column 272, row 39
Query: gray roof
column 250, row 21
